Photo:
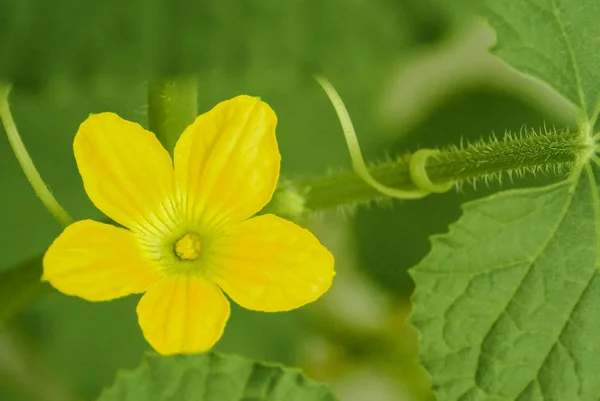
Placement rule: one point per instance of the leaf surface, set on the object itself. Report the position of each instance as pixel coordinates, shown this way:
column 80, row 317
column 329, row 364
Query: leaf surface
column 557, row 41
column 508, row 301
column 213, row 377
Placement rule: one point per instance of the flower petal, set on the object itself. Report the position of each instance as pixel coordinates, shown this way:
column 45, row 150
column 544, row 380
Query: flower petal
column 183, row 314
column 97, row 262
column 126, row 172
column 270, row 264
column 227, row 161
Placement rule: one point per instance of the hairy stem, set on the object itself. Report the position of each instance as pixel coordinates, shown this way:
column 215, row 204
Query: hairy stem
column 556, row 152
column 172, row 106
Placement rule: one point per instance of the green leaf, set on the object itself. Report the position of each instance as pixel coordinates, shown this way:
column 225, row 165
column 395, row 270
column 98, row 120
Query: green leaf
column 161, row 37
column 508, row 301
column 213, row 377
column 557, row 41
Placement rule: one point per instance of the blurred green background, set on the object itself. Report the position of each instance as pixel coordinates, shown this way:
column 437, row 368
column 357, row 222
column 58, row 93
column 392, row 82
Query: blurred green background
column 413, row 74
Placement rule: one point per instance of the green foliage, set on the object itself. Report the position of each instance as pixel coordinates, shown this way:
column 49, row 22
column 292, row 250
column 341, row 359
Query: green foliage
column 165, row 37
column 506, row 302
column 213, row 377
column 555, row 40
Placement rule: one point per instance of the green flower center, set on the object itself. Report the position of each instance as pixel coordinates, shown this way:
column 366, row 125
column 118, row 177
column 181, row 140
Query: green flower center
column 188, row 247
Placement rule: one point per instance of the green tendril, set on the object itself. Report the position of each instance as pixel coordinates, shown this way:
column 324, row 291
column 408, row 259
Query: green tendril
column 423, row 184
column 417, row 164
column 33, row 176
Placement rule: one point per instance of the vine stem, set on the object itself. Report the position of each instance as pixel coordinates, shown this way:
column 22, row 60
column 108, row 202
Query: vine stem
column 427, row 171
column 557, row 152
column 172, row 106
column 32, row 174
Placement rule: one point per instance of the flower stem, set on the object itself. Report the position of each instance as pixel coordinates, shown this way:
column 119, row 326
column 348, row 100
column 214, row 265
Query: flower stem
column 33, row 176
column 172, row 106
column 556, row 152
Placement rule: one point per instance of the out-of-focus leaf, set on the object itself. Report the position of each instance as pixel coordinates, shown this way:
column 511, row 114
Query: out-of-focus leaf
column 213, row 377
column 147, row 37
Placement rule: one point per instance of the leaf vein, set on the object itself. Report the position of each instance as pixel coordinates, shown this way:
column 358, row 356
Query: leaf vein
column 537, row 254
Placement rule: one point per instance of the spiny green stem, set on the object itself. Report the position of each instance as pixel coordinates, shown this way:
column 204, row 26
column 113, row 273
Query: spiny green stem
column 33, row 176
column 172, row 106
column 529, row 153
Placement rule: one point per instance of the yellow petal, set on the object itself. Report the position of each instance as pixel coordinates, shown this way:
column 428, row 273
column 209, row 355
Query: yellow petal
column 227, row 162
column 97, row 262
column 183, row 314
column 270, row 264
column 126, row 172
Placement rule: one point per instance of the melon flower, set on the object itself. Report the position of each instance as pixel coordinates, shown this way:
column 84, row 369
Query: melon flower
column 187, row 234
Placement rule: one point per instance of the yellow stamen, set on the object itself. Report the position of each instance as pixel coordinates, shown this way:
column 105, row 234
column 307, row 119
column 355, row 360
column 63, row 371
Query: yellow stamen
column 188, row 247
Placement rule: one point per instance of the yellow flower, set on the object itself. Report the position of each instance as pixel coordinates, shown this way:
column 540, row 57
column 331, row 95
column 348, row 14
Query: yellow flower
column 189, row 230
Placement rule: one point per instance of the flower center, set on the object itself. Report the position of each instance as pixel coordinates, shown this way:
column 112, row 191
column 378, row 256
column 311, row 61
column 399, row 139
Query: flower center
column 188, row 247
